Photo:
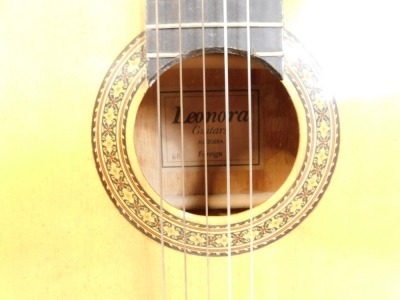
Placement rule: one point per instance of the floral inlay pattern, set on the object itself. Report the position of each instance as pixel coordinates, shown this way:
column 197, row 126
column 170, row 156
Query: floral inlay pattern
column 109, row 122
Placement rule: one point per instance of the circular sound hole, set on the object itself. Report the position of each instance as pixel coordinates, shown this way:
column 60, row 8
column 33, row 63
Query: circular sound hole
column 189, row 168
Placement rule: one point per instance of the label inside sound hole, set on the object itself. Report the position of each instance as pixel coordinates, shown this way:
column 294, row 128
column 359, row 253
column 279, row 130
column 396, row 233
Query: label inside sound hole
column 195, row 135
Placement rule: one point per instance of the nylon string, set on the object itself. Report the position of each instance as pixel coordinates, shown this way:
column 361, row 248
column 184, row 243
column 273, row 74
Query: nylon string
column 163, row 281
column 182, row 151
column 251, row 204
column 228, row 169
column 205, row 146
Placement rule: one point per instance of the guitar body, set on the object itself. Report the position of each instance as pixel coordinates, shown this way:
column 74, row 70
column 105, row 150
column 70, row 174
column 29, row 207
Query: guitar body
column 65, row 239
column 297, row 143
column 191, row 256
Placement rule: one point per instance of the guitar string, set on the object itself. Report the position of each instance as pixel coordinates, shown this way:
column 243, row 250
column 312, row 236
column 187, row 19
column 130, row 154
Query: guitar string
column 228, row 179
column 249, row 89
column 163, row 276
column 205, row 146
column 182, row 150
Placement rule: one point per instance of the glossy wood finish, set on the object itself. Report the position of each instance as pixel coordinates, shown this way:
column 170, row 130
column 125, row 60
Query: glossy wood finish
column 62, row 237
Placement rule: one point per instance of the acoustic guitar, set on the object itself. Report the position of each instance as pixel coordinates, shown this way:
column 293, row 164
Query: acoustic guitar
column 215, row 134
column 236, row 169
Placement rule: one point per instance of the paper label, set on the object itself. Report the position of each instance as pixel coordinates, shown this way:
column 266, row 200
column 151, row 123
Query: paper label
column 214, row 134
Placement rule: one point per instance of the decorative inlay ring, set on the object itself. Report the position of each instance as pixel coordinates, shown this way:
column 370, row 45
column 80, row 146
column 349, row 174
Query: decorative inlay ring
column 117, row 94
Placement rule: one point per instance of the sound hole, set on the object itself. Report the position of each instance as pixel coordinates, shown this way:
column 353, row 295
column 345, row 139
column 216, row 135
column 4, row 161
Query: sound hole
column 275, row 135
